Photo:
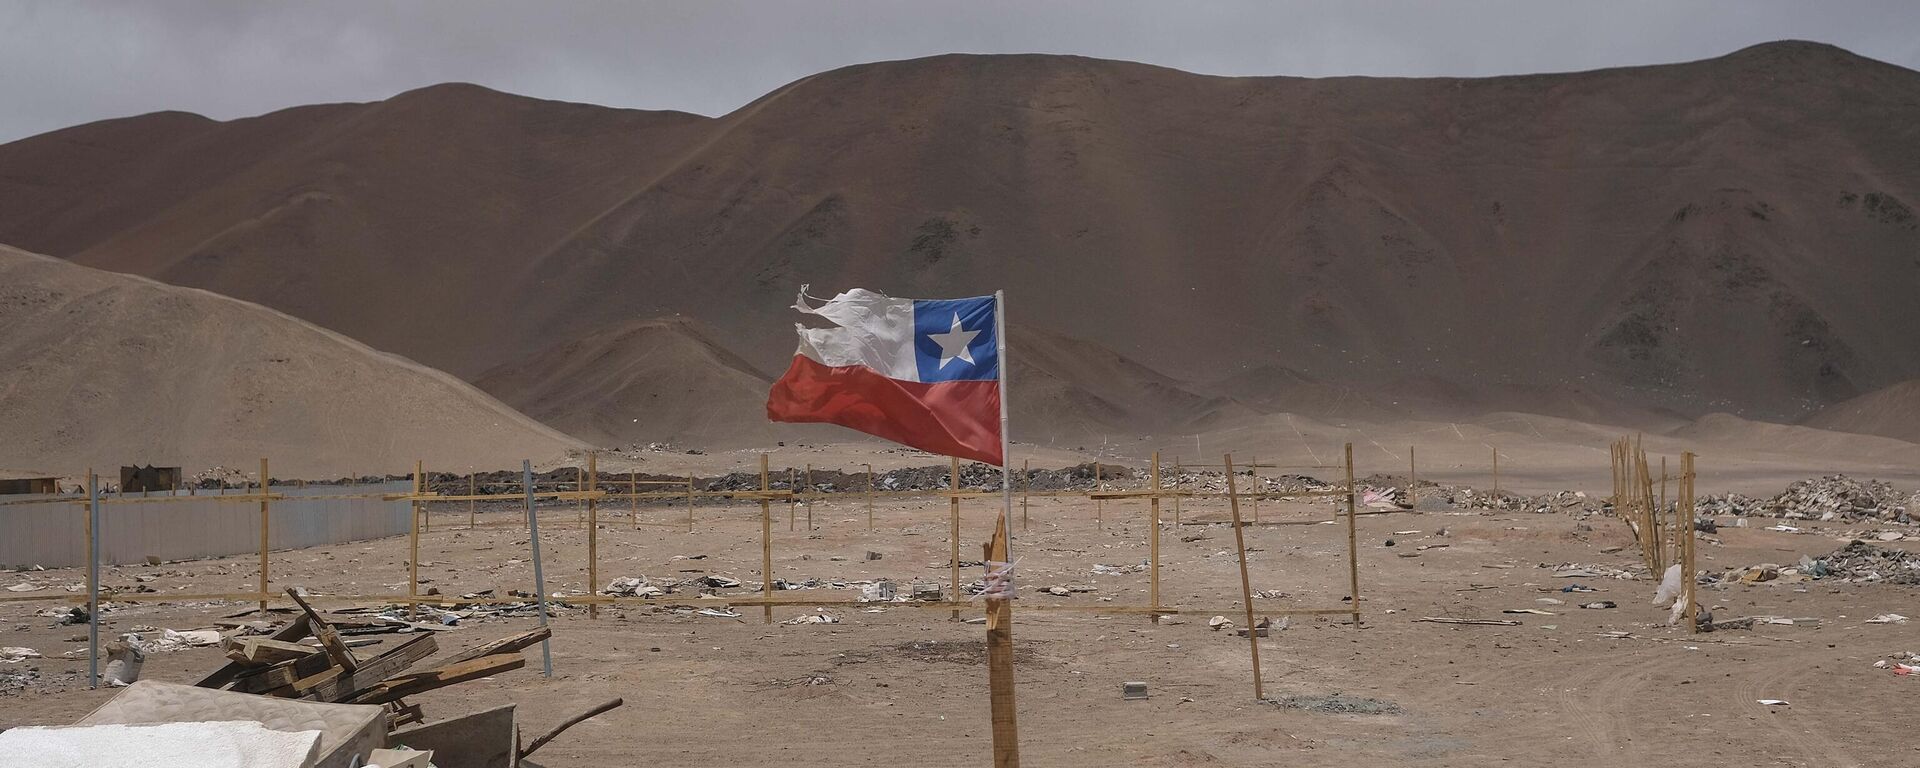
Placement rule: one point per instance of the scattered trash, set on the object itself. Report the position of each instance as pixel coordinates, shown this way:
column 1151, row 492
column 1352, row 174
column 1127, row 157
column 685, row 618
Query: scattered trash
column 1888, row 618
column 718, row 613
column 1599, row 604
column 1219, row 622
column 1131, row 691
column 1773, row 702
column 1534, row 611
column 14, row 654
column 633, row 587
column 1471, row 622
column 812, row 618
column 1338, row 704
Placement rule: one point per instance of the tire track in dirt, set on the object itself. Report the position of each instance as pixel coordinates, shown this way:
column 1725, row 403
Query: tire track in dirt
column 1784, row 678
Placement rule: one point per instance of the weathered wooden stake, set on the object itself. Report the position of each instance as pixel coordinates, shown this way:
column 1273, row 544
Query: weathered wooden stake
column 593, row 534
column 1026, row 485
column 472, row 490
column 1099, row 505
column 766, row 540
column 1258, row 487
column 265, row 523
column 1688, row 577
column 93, row 579
column 1246, row 583
column 689, row 502
column 1006, row 732
column 1153, row 546
column 809, row 497
column 1178, row 481
column 953, row 506
column 869, row 497
column 413, row 548
column 1353, row 541
column 1413, row 482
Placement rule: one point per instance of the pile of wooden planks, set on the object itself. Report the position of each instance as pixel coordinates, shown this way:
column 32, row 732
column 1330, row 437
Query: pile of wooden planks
column 281, row 665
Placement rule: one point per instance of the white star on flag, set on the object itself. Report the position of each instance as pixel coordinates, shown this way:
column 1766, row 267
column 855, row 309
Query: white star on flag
column 953, row 343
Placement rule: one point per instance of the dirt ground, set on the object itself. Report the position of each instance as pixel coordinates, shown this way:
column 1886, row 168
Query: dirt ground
column 899, row 685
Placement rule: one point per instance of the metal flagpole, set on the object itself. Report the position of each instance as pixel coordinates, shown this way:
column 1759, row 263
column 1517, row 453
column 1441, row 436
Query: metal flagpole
column 1006, row 441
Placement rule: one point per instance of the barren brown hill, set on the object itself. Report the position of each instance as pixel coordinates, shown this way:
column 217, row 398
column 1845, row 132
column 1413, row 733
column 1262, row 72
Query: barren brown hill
column 1734, row 234
column 106, row 369
column 1889, row 412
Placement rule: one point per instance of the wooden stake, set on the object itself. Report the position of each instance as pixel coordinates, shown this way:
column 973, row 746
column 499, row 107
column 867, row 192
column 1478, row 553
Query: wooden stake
column 1153, row 546
column 1353, row 541
column 1099, row 505
column 413, row 547
column 1413, row 482
column 1687, row 575
column 953, row 506
column 1254, row 469
column 593, row 535
column 1496, row 472
column 580, row 484
column 633, row 497
column 472, row 490
column 766, row 541
column 689, row 503
column 1026, row 485
column 1006, row 732
column 265, row 523
column 809, row 490
column 869, row 497
column 1246, row 584
column 93, row 579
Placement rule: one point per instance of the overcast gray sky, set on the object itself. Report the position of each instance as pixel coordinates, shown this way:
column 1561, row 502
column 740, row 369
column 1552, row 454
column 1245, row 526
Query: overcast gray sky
column 64, row 62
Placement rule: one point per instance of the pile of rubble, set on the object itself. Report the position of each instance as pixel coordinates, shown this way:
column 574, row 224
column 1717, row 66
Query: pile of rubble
column 1858, row 561
column 1834, row 497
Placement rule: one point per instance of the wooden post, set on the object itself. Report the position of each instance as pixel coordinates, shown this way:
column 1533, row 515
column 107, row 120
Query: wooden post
column 593, row 534
column 1246, row 584
column 1153, row 545
column 472, row 490
column 580, row 484
column 1006, row 734
column 953, row 507
column 1026, row 485
column 809, row 497
column 1413, row 482
column 265, row 524
column 425, row 509
column 633, row 495
column 869, row 497
column 689, row 502
column 766, row 540
column 1353, row 541
column 1099, row 505
column 413, row 548
column 1687, row 572
column 1254, row 468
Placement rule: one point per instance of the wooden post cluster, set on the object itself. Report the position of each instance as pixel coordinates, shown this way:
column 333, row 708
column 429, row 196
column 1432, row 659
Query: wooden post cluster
column 1656, row 528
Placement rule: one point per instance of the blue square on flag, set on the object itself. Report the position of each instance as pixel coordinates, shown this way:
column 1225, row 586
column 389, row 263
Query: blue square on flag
column 953, row 340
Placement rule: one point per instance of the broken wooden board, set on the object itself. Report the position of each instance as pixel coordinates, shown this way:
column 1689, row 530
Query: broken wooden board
column 373, row 671
column 329, row 638
column 485, row 739
column 439, row 677
column 503, row 645
column 294, row 630
column 261, row 651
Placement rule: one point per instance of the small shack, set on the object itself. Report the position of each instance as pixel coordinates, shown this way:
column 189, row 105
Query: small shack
column 14, row 483
column 144, row 479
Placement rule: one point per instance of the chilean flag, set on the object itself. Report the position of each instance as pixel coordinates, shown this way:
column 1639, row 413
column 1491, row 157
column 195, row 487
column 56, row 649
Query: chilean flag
column 924, row 373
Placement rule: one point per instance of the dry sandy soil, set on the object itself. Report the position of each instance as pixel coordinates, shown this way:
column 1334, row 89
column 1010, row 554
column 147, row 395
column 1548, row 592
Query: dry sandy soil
column 897, row 685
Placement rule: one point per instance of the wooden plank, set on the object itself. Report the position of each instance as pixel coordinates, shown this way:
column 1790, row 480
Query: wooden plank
column 1000, row 690
column 294, row 630
column 1246, row 588
column 261, row 651
column 329, row 639
column 503, row 645
column 371, row 672
column 439, row 677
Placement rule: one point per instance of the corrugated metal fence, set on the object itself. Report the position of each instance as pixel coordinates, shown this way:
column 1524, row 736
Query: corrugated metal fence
column 53, row 533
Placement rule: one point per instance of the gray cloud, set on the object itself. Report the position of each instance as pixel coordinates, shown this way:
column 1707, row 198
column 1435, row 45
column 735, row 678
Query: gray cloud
column 64, row 63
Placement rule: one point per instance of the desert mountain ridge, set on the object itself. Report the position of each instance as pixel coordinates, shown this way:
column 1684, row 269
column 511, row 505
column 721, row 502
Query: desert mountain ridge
column 1727, row 235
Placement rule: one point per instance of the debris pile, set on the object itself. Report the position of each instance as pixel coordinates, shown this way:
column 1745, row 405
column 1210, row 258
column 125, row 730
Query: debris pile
column 1833, row 497
column 1858, row 561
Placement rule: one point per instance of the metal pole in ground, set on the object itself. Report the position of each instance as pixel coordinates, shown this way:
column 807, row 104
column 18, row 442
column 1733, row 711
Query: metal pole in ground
column 93, row 579
column 539, row 576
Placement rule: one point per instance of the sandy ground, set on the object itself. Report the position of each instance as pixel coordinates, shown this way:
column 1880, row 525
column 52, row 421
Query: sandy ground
column 898, row 685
